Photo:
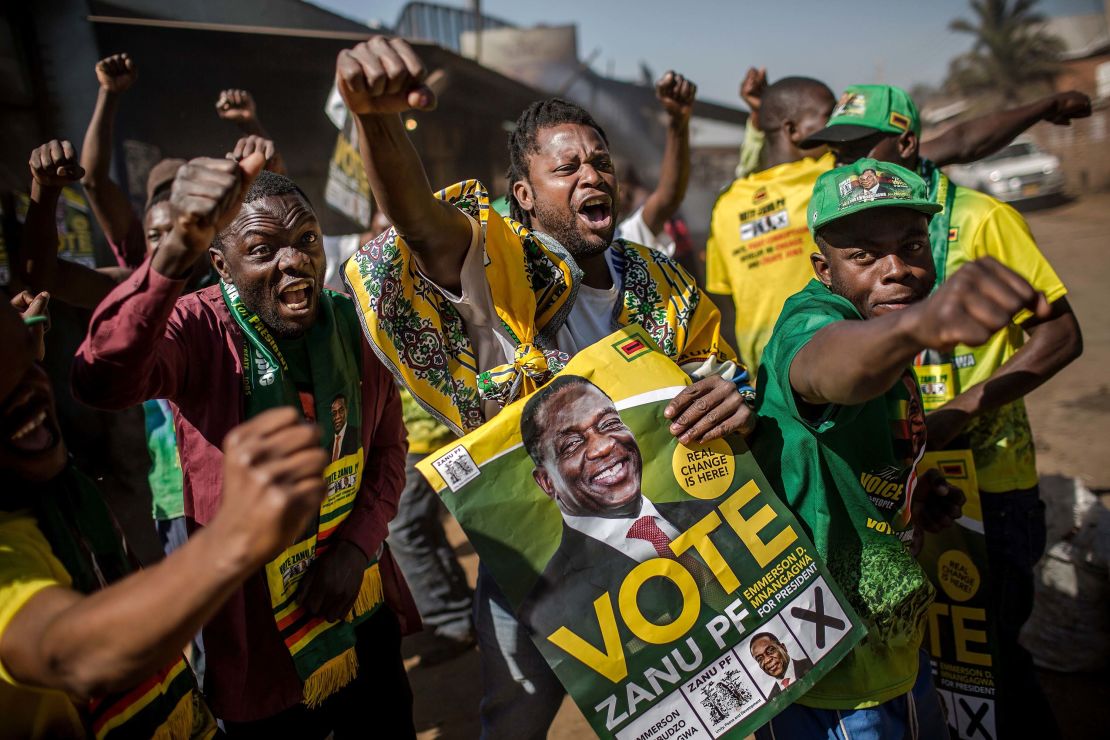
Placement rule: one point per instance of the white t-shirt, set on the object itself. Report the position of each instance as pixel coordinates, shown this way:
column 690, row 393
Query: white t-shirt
column 635, row 229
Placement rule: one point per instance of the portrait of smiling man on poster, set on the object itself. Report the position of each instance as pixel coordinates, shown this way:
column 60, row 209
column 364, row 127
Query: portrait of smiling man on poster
column 588, row 462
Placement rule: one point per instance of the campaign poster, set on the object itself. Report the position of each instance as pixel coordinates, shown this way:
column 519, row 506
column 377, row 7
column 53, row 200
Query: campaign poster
column 960, row 635
column 347, row 190
column 74, row 222
column 669, row 588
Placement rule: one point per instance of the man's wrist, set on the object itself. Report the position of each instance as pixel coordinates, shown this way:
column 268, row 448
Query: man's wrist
column 42, row 193
column 173, row 259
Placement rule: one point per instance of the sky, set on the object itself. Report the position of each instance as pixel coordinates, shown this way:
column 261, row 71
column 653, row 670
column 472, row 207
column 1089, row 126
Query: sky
column 713, row 42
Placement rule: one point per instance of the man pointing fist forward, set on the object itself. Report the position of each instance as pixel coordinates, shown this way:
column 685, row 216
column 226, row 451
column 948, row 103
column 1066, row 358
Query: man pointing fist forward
column 383, row 75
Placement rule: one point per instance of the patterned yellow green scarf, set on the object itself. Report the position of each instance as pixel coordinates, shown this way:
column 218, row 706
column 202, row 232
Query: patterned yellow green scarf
column 420, row 336
column 323, row 652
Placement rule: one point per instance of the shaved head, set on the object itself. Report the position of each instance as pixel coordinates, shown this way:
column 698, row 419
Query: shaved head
column 791, row 99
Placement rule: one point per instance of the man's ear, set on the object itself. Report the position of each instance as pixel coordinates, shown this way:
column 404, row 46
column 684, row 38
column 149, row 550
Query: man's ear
column 907, row 146
column 821, row 268
column 522, row 191
column 790, row 128
column 219, row 263
column 543, row 480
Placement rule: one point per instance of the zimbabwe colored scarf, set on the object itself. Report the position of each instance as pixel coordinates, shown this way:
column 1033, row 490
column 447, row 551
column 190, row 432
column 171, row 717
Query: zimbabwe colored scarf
column 323, row 652
column 83, row 535
column 421, row 338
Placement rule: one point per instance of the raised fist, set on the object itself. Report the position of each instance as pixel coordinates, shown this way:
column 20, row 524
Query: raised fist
column 116, row 73
column 1069, row 105
column 206, row 196
column 236, row 106
column 34, row 309
column 677, row 94
column 248, row 145
column 55, row 165
column 752, row 87
column 273, row 482
column 383, row 75
column 978, row 300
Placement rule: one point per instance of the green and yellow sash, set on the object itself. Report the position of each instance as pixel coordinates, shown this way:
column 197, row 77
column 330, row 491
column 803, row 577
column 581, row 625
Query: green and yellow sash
column 421, row 338
column 84, row 537
column 323, row 652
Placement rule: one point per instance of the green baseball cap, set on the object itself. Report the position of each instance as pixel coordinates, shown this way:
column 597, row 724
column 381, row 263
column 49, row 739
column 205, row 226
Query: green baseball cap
column 866, row 183
column 864, row 109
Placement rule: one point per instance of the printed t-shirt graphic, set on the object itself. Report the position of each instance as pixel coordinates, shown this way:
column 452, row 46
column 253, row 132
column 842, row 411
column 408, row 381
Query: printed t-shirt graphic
column 849, row 476
column 759, row 247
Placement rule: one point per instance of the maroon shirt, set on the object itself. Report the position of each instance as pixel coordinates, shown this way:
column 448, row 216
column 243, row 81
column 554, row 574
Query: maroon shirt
column 147, row 342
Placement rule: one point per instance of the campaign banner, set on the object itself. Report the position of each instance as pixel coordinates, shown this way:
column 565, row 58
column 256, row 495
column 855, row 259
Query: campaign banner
column 672, row 592
column 961, row 634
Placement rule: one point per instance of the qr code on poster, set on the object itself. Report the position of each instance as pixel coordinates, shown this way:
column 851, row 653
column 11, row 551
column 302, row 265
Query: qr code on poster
column 456, row 467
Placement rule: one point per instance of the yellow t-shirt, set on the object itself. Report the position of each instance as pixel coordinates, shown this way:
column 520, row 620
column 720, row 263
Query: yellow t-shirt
column 759, row 247
column 1001, row 440
column 28, row 566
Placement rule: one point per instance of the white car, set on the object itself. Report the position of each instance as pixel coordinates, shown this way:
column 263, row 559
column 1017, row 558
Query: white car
column 1018, row 171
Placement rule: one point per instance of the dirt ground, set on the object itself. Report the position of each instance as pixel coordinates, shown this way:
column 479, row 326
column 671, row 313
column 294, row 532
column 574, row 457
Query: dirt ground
column 1070, row 417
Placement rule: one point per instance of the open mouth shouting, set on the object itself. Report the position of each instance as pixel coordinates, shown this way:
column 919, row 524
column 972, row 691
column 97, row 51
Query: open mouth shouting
column 596, row 213
column 29, row 428
column 297, row 296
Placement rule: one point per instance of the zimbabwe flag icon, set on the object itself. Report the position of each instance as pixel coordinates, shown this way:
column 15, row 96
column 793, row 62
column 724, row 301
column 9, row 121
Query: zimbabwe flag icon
column 632, row 347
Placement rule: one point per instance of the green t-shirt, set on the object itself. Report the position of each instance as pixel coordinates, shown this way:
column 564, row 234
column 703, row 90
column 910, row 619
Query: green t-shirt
column 844, row 475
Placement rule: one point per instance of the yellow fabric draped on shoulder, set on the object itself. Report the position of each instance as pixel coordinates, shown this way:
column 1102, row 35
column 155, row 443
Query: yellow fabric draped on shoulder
column 421, row 338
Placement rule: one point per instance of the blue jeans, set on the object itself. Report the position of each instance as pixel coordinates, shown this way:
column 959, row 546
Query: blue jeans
column 172, row 534
column 913, row 715
column 1014, row 526
column 520, row 693
column 420, row 547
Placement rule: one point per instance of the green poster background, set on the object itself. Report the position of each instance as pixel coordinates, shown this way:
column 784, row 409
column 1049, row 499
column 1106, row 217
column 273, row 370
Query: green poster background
column 701, row 681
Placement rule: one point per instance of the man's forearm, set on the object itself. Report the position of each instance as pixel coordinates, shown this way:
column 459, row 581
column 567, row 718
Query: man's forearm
column 438, row 233
column 37, row 258
column 1052, row 346
column 851, row 362
column 674, row 176
column 109, row 205
column 972, row 140
column 107, row 641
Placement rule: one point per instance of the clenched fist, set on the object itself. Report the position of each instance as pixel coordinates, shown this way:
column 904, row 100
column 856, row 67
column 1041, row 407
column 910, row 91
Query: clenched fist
column 55, row 164
column 248, row 145
column 978, row 300
column 752, row 87
column 116, row 73
column 677, row 94
column 383, row 75
column 1069, row 105
column 273, row 482
column 206, row 197
column 236, row 105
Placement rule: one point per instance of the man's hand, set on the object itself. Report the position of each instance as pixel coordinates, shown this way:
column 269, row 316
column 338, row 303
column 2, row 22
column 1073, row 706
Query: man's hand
column 330, row 587
column 978, row 300
column 707, row 410
column 677, row 94
column 236, row 106
column 1069, row 105
column 383, row 75
column 55, row 165
column 116, row 73
column 273, row 483
column 936, row 503
column 752, row 87
column 205, row 197
column 248, row 145
column 35, row 312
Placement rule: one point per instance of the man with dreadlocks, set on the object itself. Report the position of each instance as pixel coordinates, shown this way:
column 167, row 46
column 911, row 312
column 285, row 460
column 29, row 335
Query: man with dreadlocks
column 472, row 311
column 308, row 645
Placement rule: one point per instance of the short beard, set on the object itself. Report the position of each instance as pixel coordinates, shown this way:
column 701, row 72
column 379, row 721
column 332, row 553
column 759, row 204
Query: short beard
column 564, row 229
column 259, row 301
